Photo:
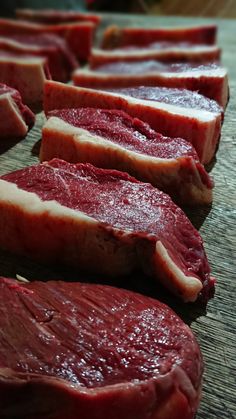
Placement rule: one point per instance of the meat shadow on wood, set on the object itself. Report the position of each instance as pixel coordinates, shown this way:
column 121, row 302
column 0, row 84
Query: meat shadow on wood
column 198, row 215
column 7, row 143
column 36, row 148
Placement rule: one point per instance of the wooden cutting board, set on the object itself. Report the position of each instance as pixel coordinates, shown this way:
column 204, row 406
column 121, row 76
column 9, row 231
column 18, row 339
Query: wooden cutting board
column 214, row 325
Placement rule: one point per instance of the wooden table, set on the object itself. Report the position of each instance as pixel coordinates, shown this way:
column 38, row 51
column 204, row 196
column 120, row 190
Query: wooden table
column 214, row 325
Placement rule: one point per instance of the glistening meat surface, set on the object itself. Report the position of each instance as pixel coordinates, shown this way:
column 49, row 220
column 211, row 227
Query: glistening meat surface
column 102, row 221
column 94, row 351
column 112, row 139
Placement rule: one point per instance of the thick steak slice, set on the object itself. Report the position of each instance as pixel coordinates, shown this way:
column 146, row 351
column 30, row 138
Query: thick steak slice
column 77, row 35
column 54, row 16
column 113, row 140
column 26, row 74
column 61, row 60
column 118, row 37
column 209, row 80
column 102, row 221
column 15, row 118
column 172, row 112
column 161, row 51
column 72, row 350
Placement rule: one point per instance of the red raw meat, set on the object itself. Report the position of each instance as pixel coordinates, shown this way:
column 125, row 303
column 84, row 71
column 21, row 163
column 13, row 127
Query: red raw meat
column 78, row 36
column 16, row 118
column 209, row 80
column 113, row 140
column 102, row 221
column 52, row 16
column 26, row 74
column 61, row 60
column 172, row 112
column 115, row 37
column 161, row 51
column 72, row 350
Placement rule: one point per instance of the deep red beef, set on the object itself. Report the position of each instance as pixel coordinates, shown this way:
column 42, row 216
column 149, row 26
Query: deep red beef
column 61, row 60
column 172, row 112
column 209, row 80
column 52, row 16
column 93, row 352
column 77, row 35
column 118, row 37
column 112, row 139
column 161, row 51
column 102, row 221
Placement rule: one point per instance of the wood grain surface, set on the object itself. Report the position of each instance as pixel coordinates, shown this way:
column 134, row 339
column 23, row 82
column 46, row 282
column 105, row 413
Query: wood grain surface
column 214, row 325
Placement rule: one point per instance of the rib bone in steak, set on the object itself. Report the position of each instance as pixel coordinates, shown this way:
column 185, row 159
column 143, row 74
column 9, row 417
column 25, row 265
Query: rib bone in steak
column 172, row 112
column 77, row 35
column 161, row 51
column 26, row 74
column 52, row 16
column 102, row 221
column 112, row 139
column 118, row 37
column 88, row 351
column 209, row 80
column 15, row 118
column 61, row 60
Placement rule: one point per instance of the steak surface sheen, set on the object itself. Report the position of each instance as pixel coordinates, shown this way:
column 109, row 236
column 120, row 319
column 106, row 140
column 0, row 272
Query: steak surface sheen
column 171, row 112
column 210, row 80
column 102, row 221
column 112, row 139
column 91, row 352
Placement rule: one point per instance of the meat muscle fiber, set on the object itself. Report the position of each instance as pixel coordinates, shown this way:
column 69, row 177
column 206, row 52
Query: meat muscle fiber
column 77, row 35
column 112, row 139
column 210, row 80
column 172, row 112
column 72, row 350
column 54, row 16
column 102, row 221
column 118, row 37
column 16, row 118
column 161, row 51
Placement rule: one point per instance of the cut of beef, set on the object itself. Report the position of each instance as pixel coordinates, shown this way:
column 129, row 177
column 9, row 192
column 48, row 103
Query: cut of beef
column 16, row 118
column 26, row 74
column 61, row 60
column 118, row 37
column 54, row 16
column 209, row 80
column 87, row 351
column 172, row 112
column 102, row 221
column 161, row 51
column 112, row 139
column 77, row 35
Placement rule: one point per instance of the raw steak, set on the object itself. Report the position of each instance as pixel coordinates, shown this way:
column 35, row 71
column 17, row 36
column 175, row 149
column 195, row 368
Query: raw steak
column 61, row 60
column 209, row 80
column 16, row 118
column 72, row 350
column 172, row 112
column 77, row 35
column 52, row 16
column 118, row 37
column 26, row 74
column 161, row 51
column 102, row 221
column 113, row 140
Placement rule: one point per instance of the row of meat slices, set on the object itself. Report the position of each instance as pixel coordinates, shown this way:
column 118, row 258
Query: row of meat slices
column 104, row 354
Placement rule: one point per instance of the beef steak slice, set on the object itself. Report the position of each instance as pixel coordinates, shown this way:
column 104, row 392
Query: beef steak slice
column 171, row 112
column 93, row 352
column 102, row 221
column 16, row 118
column 112, row 139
